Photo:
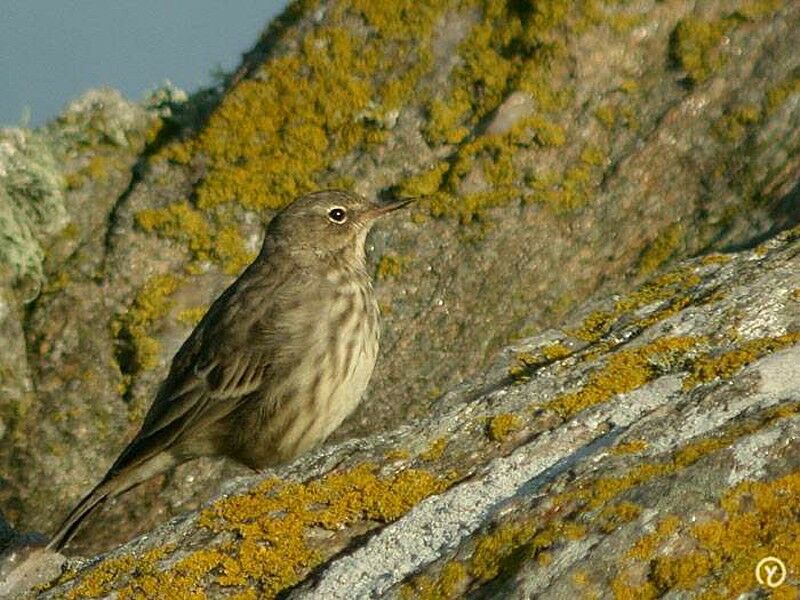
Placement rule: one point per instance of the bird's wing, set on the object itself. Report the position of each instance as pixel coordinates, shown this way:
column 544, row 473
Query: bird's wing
column 218, row 366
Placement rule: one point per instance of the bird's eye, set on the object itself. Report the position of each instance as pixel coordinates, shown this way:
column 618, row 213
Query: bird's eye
column 337, row 215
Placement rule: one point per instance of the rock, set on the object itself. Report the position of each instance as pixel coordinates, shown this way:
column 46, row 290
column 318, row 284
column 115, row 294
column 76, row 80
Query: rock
column 648, row 447
column 655, row 132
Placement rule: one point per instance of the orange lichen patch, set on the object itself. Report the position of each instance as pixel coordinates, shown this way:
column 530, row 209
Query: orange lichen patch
column 503, row 425
column 726, row 364
column 450, row 584
column 268, row 546
column 276, row 133
column 108, row 571
column 624, row 372
column 181, row 222
column 647, row 544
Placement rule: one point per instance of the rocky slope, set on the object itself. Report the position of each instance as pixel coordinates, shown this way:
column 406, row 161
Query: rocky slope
column 651, row 447
column 565, row 149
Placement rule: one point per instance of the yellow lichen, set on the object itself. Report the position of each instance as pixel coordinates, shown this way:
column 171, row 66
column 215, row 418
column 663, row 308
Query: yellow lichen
column 503, row 425
column 630, row 447
column 191, row 316
column 616, row 515
column 435, row 451
column 695, row 46
column 390, row 266
column 660, row 249
column 726, row 364
column 133, row 327
column 761, row 518
column 778, row 94
column 624, row 372
column 733, row 125
column 270, row 544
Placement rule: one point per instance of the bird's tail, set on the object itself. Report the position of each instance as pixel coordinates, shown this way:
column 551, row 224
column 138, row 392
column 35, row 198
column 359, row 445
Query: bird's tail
column 91, row 502
column 117, row 480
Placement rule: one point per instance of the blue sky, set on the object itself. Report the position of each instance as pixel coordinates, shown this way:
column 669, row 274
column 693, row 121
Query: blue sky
column 53, row 50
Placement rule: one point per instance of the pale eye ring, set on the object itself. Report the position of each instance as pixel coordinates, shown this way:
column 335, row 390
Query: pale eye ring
column 337, row 215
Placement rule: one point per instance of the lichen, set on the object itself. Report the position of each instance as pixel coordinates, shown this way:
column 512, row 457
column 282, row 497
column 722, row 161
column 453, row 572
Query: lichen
column 726, row 364
column 435, row 450
column 733, row 125
column 660, row 249
column 191, row 316
column 139, row 350
column 501, row 426
column 269, row 546
column 760, row 518
column 696, row 46
column 778, row 94
column 624, row 372
column 673, row 287
column 390, row 266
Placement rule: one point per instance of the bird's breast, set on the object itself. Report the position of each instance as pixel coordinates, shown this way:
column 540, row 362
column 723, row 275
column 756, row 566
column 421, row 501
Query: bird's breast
column 331, row 344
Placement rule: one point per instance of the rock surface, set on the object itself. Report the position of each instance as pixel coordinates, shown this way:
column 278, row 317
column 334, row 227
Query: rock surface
column 651, row 447
column 564, row 149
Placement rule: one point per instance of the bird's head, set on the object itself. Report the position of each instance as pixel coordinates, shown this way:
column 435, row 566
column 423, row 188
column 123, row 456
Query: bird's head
column 329, row 223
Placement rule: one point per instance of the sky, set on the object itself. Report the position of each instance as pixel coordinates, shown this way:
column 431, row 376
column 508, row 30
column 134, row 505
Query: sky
column 53, row 50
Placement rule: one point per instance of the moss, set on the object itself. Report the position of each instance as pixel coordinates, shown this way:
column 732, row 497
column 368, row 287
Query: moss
column 661, row 249
column 132, row 328
column 624, row 372
column 728, row 363
column 268, row 548
column 695, row 46
column 502, row 426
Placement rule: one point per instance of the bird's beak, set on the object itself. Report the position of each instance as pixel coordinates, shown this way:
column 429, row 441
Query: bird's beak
column 384, row 209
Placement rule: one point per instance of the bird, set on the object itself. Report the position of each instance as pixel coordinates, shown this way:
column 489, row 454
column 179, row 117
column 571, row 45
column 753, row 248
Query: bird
column 277, row 362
